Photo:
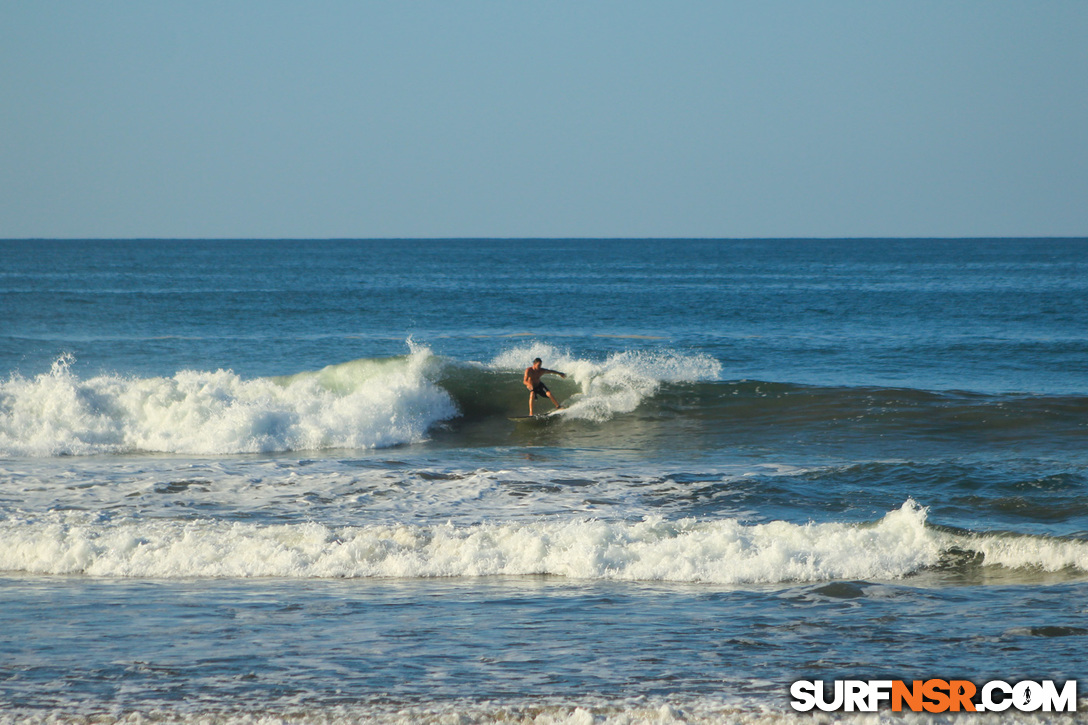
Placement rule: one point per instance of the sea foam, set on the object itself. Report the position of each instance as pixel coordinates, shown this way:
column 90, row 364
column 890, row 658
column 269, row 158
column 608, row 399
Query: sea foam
column 364, row 404
column 724, row 551
column 688, row 550
column 617, row 384
column 367, row 403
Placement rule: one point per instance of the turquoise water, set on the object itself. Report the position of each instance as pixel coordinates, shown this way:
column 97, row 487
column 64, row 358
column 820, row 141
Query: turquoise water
column 278, row 479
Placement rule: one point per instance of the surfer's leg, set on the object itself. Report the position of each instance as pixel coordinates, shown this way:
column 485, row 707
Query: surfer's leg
column 557, row 405
column 532, row 397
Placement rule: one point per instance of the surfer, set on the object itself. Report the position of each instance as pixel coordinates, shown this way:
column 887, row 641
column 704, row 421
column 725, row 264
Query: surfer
column 532, row 382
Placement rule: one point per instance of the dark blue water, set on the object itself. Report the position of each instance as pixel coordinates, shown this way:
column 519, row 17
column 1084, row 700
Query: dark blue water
column 983, row 315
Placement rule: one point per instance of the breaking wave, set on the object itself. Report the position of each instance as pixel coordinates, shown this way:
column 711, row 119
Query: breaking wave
column 617, row 385
column 367, row 404
column 689, row 550
column 382, row 402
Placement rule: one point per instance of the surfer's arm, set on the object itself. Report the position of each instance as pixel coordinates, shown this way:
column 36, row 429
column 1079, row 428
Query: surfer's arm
column 556, row 372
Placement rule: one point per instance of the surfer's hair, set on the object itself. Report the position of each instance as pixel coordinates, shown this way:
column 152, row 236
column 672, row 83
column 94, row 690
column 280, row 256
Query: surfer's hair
column 538, row 360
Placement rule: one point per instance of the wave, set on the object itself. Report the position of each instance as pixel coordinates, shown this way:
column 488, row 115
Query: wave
column 899, row 407
column 381, row 402
column 689, row 389
column 367, row 403
column 371, row 403
column 616, row 385
column 721, row 551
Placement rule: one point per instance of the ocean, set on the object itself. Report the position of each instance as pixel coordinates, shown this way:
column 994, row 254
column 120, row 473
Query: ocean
column 277, row 481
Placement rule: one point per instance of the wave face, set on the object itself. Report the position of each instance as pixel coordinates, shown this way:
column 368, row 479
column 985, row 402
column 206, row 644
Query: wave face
column 365, row 404
column 616, row 385
column 368, row 403
column 688, row 550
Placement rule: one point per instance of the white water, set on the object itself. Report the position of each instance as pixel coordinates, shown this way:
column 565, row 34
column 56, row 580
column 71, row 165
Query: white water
column 720, row 551
column 365, row 405
column 724, row 552
column 617, row 384
column 357, row 405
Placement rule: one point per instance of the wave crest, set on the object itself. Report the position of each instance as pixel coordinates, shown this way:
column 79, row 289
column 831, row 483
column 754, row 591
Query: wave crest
column 619, row 383
column 366, row 404
column 723, row 552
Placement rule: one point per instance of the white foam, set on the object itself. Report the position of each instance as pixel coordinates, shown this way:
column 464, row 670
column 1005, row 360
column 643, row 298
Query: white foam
column 722, row 551
column 619, row 383
column 1029, row 552
column 364, row 404
column 353, row 489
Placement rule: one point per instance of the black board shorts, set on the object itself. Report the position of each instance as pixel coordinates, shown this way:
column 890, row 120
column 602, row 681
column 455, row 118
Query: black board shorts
column 540, row 389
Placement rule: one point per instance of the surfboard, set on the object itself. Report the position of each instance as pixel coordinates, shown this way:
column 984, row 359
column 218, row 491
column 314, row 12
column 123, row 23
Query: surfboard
column 537, row 417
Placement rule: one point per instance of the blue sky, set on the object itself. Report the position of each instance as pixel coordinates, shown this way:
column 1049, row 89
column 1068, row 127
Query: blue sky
column 543, row 119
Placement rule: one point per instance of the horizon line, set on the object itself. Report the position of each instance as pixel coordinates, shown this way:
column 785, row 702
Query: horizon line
column 540, row 238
